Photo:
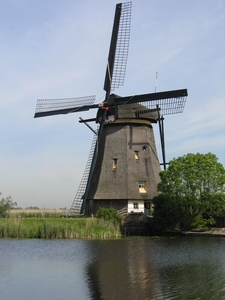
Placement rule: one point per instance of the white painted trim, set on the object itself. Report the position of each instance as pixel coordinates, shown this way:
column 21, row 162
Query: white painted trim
column 131, row 209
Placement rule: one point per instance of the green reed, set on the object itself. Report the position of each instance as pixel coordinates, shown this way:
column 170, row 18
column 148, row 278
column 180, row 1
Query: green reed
column 56, row 228
column 35, row 214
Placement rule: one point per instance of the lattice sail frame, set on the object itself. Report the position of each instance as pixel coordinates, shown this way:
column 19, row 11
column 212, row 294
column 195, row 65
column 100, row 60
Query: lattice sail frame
column 122, row 46
column 64, row 105
column 147, row 109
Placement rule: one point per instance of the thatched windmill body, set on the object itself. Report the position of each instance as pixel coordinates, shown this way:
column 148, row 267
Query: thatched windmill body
column 123, row 166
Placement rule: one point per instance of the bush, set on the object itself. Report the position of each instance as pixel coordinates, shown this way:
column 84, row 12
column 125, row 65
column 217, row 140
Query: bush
column 109, row 214
column 5, row 206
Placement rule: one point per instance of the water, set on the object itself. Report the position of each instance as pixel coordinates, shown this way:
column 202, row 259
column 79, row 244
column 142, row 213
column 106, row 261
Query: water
column 167, row 268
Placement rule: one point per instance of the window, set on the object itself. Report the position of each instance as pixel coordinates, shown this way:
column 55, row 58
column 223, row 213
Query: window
column 114, row 163
column 142, row 187
column 136, row 155
column 135, row 204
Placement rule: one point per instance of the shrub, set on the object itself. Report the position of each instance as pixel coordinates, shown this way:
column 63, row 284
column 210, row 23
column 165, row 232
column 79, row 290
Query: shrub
column 6, row 204
column 109, row 214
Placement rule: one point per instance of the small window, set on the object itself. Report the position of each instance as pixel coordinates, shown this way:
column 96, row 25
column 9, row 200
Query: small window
column 135, row 205
column 136, row 155
column 114, row 163
column 142, row 187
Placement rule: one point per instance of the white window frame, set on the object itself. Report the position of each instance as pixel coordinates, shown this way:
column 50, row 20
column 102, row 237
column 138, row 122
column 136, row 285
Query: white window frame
column 131, row 208
column 142, row 187
column 135, row 205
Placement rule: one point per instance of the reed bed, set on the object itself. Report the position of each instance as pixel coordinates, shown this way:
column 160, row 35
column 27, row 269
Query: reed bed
column 56, row 228
column 36, row 213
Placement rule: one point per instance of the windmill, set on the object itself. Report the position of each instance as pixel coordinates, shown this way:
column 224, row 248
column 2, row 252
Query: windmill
column 123, row 166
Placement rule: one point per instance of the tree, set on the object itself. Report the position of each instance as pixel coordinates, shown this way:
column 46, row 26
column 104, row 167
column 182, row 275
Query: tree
column 193, row 189
column 6, row 204
column 165, row 218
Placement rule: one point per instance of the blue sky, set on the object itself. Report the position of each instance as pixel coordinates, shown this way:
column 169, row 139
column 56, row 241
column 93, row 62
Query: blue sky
column 56, row 49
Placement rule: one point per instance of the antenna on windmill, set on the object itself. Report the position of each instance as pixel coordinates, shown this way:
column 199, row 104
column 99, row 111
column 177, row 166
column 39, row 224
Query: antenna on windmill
column 156, row 80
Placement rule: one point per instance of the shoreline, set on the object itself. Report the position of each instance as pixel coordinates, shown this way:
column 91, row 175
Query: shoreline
column 214, row 232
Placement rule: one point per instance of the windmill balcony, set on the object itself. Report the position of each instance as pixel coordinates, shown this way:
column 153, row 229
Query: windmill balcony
column 124, row 212
column 136, row 212
column 148, row 212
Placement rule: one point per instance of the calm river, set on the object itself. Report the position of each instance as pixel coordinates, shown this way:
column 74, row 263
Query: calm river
column 167, row 268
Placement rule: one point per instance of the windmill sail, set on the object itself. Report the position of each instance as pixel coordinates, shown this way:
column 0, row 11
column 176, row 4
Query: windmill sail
column 119, row 46
column 49, row 107
column 78, row 200
column 169, row 102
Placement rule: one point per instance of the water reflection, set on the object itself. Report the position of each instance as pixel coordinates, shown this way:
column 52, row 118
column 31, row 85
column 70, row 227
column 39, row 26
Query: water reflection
column 193, row 268
column 179, row 268
column 122, row 270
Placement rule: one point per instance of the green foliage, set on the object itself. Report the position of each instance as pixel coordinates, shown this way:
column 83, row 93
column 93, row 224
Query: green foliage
column 165, row 218
column 109, row 214
column 6, row 204
column 192, row 190
column 55, row 228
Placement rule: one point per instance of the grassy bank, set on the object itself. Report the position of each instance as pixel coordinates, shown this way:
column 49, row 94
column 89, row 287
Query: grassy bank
column 58, row 228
